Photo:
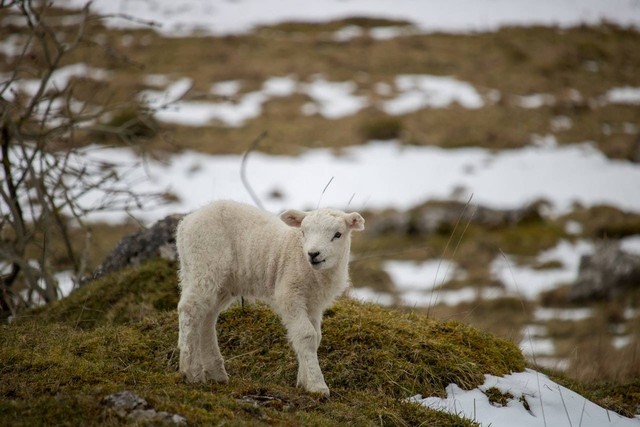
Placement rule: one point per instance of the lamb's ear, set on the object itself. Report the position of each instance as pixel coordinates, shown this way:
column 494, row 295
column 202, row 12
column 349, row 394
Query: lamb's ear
column 355, row 221
column 293, row 217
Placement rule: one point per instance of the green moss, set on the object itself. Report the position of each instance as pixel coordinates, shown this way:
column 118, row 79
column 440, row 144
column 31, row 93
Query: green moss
column 497, row 397
column 120, row 333
column 124, row 297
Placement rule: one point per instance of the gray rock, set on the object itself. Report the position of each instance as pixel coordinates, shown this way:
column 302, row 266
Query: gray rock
column 635, row 155
column 124, row 402
column 151, row 415
column 442, row 216
column 606, row 274
column 155, row 242
column 134, row 407
column 389, row 221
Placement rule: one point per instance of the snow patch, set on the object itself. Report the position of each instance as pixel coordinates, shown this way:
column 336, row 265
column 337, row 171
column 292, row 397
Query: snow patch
column 375, row 172
column 348, row 33
column 226, row 88
column 530, row 282
column 621, row 342
column 58, row 80
column 547, row 403
column 418, row 282
column 624, row 95
column 351, row 32
column 573, row 227
column 426, row 275
column 333, row 99
column 156, row 80
column 12, row 46
column 532, row 347
column 425, row 91
column 370, row 295
column 544, row 314
column 535, row 100
column 171, row 109
column 631, row 244
column 560, row 123
column 414, row 298
column 550, row 362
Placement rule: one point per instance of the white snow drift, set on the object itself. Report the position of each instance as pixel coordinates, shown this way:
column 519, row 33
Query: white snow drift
column 180, row 17
column 547, row 403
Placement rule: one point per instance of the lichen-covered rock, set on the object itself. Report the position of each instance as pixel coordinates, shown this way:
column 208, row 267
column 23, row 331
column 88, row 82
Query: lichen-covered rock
column 607, row 273
column 156, row 242
column 124, row 402
column 135, row 408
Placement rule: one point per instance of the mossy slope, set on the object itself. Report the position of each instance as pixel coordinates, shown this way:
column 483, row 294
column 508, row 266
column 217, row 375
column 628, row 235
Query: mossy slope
column 120, row 333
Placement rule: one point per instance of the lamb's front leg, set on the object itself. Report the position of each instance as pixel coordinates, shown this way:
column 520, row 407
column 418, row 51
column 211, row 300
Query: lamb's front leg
column 316, row 321
column 305, row 340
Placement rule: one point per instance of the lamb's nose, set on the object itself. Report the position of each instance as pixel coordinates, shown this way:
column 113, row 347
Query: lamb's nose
column 313, row 255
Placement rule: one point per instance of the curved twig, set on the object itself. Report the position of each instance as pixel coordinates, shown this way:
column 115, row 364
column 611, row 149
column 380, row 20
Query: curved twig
column 243, row 169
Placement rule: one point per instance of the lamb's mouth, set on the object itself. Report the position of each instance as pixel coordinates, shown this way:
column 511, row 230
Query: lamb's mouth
column 316, row 263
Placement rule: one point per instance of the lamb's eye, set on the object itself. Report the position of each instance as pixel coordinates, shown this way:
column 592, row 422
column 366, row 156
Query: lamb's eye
column 337, row 235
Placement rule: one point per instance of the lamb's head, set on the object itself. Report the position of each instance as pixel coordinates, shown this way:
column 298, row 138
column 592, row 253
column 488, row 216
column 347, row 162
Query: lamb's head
column 326, row 234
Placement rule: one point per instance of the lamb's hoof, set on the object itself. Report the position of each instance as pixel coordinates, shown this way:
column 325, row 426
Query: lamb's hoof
column 194, row 377
column 220, row 377
column 301, row 383
column 322, row 390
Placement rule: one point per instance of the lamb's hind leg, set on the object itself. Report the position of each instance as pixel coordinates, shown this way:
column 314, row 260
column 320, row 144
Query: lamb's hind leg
column 212, row 360
column 192, row 311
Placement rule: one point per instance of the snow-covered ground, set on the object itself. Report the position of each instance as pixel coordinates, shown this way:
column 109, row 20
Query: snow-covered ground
column 385, row 174
column 330, row 99
column 420, row 276
column 170, row 108
column 421, row 91
column 417, row 283
column 179, row 17
column 58, row 80
column 536, row 401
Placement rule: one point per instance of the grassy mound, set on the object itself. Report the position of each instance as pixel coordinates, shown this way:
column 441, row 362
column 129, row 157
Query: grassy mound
column 120, row 333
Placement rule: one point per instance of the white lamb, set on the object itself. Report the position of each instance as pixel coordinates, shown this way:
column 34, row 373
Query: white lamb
column 229, row 250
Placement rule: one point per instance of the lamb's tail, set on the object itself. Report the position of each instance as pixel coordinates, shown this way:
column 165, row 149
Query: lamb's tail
column 182, row 270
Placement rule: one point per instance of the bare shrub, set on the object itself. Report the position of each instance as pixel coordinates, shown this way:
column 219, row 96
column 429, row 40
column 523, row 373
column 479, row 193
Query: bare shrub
column 49, row 183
